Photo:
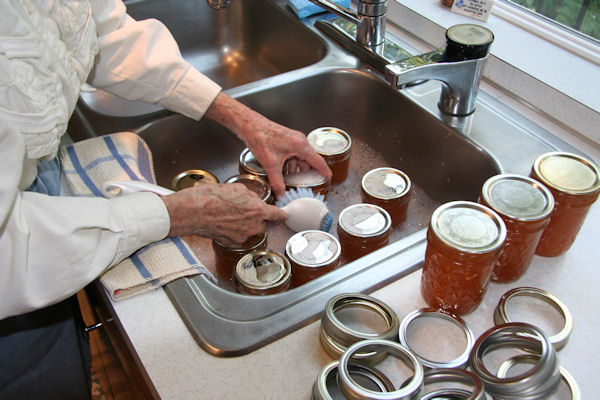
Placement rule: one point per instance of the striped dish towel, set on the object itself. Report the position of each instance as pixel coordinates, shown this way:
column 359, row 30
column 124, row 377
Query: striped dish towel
column 125, row 156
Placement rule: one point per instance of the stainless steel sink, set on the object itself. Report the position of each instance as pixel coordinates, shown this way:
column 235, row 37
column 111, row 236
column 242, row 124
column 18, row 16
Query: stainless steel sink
column 387, row 129
column 245, row 42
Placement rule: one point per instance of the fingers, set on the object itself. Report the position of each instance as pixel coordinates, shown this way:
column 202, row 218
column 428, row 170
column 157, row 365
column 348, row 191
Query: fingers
column 274, row 214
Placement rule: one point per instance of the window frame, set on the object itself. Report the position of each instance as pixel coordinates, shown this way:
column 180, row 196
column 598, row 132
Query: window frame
column 549, row 30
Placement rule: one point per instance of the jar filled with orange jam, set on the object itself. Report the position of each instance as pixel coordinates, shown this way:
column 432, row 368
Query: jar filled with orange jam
column 311, row 254
column 574, row 181
column 464, row 240
column 262, row 272
column 525, row 206
column 227, row 255
column 310, row 179
column 389, row 188
column 362, row 229
column 335, row 146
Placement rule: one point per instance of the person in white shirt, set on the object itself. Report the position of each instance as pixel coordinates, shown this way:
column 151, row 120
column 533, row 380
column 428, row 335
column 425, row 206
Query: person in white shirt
column 52, row 246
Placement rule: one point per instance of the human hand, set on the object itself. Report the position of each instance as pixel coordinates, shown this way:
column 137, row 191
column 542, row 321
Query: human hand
column 273, row 145
column 229, row 213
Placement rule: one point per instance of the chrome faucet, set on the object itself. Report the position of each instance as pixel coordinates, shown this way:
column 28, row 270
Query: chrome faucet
column 369, row 19
column 459, row 67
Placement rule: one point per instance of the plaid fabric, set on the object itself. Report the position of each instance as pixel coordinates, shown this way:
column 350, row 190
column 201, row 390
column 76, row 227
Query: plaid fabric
column 125, row 156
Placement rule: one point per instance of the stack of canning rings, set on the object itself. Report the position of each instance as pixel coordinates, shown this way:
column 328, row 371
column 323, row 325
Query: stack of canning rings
column 359, row 349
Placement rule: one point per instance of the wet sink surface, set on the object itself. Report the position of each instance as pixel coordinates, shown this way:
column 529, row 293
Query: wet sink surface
column 245, row 42
column 387, row 129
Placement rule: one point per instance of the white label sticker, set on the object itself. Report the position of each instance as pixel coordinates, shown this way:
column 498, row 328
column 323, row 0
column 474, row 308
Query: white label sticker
column 479, row 9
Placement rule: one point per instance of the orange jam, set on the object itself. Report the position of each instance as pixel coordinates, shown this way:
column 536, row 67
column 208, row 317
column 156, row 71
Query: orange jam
column 388, row 188
column 525, row 206
column 262, row 272
column 312, row 254
column 255, row 184
column 335, row 146
column 464, row 240
column 574, row 181
column 363, row 228
column 310, row 179
column 227, row 255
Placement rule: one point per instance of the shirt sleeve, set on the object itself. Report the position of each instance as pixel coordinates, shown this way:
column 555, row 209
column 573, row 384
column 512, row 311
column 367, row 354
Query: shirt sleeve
column 140, row 60
column 53, row 246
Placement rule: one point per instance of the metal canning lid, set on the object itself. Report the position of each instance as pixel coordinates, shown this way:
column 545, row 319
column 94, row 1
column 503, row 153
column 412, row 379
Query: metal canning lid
column 313, row 248
column 446, row 378
column 558, row 340
column 326, row 386
column 250, row 164
column 307, row 179
column 191, row 178
column 364, row 220
column 253, row 242
column 254, row 183
column 518, row 197
column 459, row 361
column 263, row 270
column 568, row 173
column 329, row 141
column 386, row 183
column 469, row 227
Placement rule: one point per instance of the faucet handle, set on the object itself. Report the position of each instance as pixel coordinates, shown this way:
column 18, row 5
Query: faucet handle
column 467, row 42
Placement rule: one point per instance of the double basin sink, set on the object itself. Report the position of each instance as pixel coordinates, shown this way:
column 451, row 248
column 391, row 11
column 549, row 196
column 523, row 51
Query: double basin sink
column 284, row 68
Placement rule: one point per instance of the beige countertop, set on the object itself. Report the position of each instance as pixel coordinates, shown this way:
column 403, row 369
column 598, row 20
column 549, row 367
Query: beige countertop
column 179, row 369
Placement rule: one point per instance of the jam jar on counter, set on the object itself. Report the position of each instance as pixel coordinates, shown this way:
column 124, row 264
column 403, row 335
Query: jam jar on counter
column 248, row 164
column 574, row 181
column 525, row 206
column 389, row 188
column 363, row 228
column 311, row 254
column 262, row 272
column 464, row 240
column 227, row 255
column 335, row 146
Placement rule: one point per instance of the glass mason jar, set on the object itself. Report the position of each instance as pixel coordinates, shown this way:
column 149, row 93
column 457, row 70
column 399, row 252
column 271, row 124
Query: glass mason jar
column 390, row 189
column 312, row 254
column 262, row 272
column 335, row 146
column 227, row 255
column 363, row 228
column 464, row 240
column 574, row 181
column 525, row 206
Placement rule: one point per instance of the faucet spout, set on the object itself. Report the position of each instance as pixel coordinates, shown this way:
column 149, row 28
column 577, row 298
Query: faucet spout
column 369, row 19
column 460, row 79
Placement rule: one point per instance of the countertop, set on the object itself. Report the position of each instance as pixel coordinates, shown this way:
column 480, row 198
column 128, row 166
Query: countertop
column 286, row 369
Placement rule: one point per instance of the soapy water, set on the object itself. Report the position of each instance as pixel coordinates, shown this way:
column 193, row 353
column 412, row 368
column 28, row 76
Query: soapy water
column 363, row 159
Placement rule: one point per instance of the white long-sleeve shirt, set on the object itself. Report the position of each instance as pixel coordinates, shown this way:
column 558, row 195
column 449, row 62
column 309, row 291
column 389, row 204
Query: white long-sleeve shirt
column 53, row 246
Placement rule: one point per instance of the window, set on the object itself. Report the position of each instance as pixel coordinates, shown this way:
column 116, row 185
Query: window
column 550, row 19
column 580, row 15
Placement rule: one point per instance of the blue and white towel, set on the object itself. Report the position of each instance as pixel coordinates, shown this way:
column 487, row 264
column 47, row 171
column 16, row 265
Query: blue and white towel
column 125, row 156
column 305, row 8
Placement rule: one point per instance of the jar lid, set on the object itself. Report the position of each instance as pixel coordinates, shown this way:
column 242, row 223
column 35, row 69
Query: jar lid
column 569, row 173
column 326, row 386
column 263, row 270
column 250, row 164
column 364, row 220
column 386, row 183
column 307, row 179
column 329, row 141
column 468, row 226
column 313, row 248
column 253, row 183
column 192, row 177
column 518, row 197
column 253, row 242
